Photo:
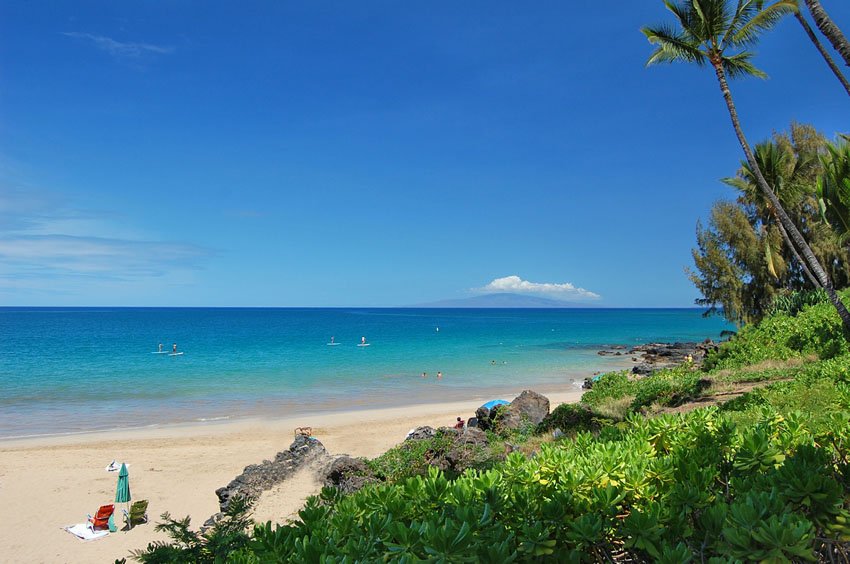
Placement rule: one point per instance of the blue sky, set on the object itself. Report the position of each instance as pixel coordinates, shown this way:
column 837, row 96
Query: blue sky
column 369, row 153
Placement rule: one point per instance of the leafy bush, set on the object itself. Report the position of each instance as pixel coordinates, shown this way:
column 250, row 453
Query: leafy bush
column 815, row 330
column 613, row 385
column 794, row 302
column 671, row 488
column 414, row 458
column 223, row 541
column 570, row 418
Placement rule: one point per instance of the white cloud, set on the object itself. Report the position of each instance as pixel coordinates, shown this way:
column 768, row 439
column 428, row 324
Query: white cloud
column 118, row 48
column 515, row 284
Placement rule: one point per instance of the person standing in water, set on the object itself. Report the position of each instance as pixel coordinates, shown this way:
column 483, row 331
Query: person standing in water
column 439, row 375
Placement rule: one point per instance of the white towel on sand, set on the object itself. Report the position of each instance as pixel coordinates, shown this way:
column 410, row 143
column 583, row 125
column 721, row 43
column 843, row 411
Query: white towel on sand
column 83, row 532
column 115, row 466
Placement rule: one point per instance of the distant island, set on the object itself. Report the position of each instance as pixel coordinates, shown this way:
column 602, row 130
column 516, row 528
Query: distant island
column 504, row 300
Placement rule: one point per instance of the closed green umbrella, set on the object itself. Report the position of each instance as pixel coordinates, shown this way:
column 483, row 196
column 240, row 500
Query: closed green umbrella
column 122, row 492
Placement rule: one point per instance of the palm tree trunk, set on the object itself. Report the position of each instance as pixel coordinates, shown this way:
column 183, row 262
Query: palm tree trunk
column 797, row 256
column 829, row 29
column 794, row 234
column 822, row 50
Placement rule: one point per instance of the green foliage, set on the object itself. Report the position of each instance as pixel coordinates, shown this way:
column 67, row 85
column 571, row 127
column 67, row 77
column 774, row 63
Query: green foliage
column 613, row 385
column 415, row 458
column 792, row 303
column 224, row 541
column 669, row 489
column 816, row 330
column 571, row 418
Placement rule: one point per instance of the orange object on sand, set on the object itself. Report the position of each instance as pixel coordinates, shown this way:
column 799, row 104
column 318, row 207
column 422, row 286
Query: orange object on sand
column 101, row 518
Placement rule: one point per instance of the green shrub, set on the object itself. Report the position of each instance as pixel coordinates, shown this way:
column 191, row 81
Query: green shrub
column 415, row 458
column 837, row 369
column 613, row 385
column 670, row 488
column 571, row 418
column 793, row 303
column 816, row 330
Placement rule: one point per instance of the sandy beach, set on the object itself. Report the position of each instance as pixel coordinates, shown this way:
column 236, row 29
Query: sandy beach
column 51, row 482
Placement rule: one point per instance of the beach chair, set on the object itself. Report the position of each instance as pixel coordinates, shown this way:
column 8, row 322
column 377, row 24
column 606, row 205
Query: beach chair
column 138, row 513
column 100, row 520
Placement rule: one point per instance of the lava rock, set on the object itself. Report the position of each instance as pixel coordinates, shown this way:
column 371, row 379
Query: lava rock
column 258, row 478
column 349, row 474
column 528, row 406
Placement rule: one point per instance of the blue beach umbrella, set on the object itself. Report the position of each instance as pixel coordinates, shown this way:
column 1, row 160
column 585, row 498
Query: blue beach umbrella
column 122, row 492
column 493, row 403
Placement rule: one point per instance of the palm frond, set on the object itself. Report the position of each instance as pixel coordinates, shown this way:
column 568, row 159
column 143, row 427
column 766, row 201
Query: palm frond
column 738, row 183
column 757, row 20
column 739, row 66
column 672, row 46
column 687, row 19
column 715, row 17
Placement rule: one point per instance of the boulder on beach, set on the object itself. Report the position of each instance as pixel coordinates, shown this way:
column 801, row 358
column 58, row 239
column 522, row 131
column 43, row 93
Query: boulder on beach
column 529, row 407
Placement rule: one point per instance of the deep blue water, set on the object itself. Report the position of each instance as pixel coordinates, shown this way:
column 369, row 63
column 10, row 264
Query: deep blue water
column 77, row 369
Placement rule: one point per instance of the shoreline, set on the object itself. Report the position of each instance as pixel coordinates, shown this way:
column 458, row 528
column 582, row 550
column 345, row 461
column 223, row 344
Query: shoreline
column 55, row 481
column 258, row 409
column 228, row 424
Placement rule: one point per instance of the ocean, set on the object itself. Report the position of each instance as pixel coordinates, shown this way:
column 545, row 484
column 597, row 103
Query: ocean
column 71, row 370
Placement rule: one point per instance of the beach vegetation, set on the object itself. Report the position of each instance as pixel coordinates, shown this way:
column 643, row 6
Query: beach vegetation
column 227, row 537
column 417, row 457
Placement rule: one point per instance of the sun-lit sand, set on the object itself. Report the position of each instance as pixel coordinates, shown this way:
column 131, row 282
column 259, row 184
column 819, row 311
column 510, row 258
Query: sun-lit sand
column 51, row 482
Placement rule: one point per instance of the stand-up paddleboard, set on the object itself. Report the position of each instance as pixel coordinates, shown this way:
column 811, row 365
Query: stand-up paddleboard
column 364, row 344
column 160, row 352
column 333, row 344
column 175, row 354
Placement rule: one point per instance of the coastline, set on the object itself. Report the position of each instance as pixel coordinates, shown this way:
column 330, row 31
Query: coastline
column 430, row 391
column 54, row 481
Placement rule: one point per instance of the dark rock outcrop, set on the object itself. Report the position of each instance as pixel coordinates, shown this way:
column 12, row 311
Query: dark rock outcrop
column 420, row 433
column 257, row 478
column 529, row 407
column 486, row 418
column 349, row 474
column 655, row 356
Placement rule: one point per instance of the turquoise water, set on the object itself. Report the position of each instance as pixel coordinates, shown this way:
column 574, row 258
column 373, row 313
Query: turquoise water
column 78, row 369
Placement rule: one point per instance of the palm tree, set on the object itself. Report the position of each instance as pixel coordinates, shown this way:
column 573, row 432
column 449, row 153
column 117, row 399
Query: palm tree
column 833, row 189
column 822, row 50
column 781, row 169
column 829, row 29
column 717, row 33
